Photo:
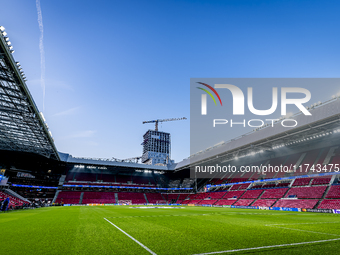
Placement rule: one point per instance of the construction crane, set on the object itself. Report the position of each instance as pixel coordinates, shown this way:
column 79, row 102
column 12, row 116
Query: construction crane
column 164, row 120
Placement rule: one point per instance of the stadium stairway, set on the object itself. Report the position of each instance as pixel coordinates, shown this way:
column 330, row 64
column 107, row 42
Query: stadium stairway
column 61, row 181
column 116, row 198
column 81, row 198
column 324, row 194
column 55, row 196
column 163, row 197
column 147, row 201
column 332, row 180
column 14, row 194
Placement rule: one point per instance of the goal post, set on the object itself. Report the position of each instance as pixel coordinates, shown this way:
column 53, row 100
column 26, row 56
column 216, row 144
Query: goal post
column 125, row 202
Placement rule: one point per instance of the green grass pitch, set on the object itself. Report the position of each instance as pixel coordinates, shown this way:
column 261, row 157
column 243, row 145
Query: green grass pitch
column 190, row 230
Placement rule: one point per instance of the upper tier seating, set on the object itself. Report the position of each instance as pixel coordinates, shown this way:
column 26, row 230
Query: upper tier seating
column 301, row 181
column 274, row 193
column 321, row 181
column 244, row 186
column 253, row 193
column 235, row 187
column 85, row 177
column 216, row 195
column 307, row 192
column 283, row 184
column 334, row 192
column 234, row 193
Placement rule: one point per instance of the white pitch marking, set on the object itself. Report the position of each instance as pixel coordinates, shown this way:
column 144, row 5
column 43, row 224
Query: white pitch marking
column 303, row 230
column 146, row 248
column 267, row 247
column 307, row 223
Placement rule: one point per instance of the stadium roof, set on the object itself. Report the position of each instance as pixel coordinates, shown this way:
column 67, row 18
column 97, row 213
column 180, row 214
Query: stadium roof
column 22, row 128
column 324, row 117
column 102, row 162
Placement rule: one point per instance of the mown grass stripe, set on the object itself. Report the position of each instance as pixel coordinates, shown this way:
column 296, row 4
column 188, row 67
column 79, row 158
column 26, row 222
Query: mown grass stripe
column 146, row 248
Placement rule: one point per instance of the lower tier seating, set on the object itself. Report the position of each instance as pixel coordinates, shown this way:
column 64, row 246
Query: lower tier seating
column 307, row 192
column 274, row 193
column 296, row 203
column 264, row 202
column 244, row 202
column 225, row 202
column 330, row 204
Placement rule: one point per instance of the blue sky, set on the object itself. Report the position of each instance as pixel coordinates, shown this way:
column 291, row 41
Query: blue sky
column 112, row 64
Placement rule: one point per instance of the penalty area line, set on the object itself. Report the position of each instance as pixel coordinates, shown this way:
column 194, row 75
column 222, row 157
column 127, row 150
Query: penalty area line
column 146, row 248
column 270, row 246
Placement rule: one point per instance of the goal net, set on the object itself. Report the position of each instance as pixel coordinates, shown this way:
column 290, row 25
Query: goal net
column 125, row 202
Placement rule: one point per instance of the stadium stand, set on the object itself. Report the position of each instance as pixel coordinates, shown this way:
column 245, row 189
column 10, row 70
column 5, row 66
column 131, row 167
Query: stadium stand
column 321, row 181
column 134, row 197
column 334, row 192
column 154, row 198
column 283, row 184
column 296, row 203
column 301, row 181
column 225, row 202
column 68, row 197
column 244, row 202
column 92, row 197
column 14, row 201
column 216, row 195
column 253, row 193
column 264, row 202
column 171, row 198
column 329, row 204
column 181, row 198
column 269, row 185
column 207, row 202
column 307, row 192
column 274, row 193
column 234, row 194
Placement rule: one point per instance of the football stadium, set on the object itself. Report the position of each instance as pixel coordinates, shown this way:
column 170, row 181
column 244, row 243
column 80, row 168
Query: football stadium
column 270, row 191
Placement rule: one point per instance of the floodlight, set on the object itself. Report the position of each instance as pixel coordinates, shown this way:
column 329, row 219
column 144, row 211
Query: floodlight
column 2, row 28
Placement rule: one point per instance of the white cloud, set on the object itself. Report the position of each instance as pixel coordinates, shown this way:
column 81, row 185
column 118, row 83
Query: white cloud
column 41, row 48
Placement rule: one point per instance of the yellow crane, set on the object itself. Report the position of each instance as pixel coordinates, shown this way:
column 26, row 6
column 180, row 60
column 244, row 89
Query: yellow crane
column 163, row 120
